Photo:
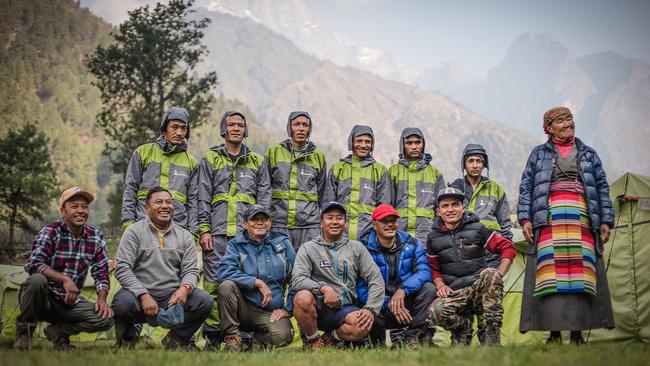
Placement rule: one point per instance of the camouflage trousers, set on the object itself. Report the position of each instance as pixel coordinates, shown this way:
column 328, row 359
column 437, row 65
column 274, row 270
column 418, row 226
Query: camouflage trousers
column 484, row 295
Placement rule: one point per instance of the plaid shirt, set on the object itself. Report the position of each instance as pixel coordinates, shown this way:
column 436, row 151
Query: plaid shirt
column 56, row 248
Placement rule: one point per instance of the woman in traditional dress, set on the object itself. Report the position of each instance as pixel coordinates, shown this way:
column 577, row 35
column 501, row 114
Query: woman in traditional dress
column 566, row 215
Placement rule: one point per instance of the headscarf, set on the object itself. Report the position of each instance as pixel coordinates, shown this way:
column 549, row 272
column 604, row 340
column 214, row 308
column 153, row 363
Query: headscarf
column 554, row 113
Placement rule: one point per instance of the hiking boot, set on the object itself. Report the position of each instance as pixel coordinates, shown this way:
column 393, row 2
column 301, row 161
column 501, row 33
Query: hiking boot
column 172, row 343
column 313, row 345
column 554, row 338
column 212, row 342
column 60, row 340
column 576, row 338
column 330, row 342
column 462, row 335
column 410, row 344
column 232, row 343
column 260, row 341
column 492, row 336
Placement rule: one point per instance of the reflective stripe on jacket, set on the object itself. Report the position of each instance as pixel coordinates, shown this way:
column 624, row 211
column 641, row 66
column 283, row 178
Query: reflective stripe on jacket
column 297, row 184
column 360, row 185
column 227, row 188
column 169, row 166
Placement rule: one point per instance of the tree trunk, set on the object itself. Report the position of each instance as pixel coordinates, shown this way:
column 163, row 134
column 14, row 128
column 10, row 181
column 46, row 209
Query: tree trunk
column 12, row 224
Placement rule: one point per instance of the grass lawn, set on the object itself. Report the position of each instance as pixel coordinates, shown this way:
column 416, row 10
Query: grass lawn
column 101, row 353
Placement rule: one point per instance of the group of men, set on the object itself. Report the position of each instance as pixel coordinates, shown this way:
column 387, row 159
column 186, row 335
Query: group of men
column 361, row 248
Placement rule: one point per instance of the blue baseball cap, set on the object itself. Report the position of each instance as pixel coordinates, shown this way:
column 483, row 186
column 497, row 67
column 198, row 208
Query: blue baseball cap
column 332, row 205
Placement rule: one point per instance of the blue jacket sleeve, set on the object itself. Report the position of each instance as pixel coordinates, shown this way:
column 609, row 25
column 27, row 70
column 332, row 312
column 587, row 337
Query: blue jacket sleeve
column 526, row 190
column 231, row 268
column 602, row 187
column 421, row 272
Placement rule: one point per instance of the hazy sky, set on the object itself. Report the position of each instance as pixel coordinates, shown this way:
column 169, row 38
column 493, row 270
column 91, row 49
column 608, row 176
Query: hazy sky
column 473, row 34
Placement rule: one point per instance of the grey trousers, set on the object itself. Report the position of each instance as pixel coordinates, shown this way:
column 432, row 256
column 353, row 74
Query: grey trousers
column 298, row 237
column 128, row 312
column 238, row 314
column 38, row 303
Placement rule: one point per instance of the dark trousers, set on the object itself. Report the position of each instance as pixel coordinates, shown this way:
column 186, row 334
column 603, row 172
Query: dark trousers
column 417, row 304
column 128, row 312
column 38, row 303
column 237, row 315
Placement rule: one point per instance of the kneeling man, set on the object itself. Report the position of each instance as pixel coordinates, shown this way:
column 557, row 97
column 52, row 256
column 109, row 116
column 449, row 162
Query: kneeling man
column 325, row 277
column 255, row 272
column 157, row 268
column 457, row 249
column 62, row 254
column 402, row 262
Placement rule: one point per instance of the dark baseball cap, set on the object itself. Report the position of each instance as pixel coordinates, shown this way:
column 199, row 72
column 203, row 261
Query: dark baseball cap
column 254, row 210
column 450, row 192
column 332, row 205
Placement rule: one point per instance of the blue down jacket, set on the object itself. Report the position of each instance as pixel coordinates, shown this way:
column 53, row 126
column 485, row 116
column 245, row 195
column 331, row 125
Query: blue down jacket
column 536, row 181
column 413, row 268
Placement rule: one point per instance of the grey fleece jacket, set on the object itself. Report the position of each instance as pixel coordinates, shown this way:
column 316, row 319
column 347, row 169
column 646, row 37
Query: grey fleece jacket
column 149, row 261
column 338, row 265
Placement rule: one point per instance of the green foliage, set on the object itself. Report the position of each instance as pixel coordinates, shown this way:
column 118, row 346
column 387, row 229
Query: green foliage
column 27, row 181
column 148, row 68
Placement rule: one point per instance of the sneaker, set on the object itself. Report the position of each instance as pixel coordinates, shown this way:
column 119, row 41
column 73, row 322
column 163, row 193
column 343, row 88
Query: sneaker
column 22, row 342
column 232, row 343
column 60, row 341
column 212, row 342
column 313, row 345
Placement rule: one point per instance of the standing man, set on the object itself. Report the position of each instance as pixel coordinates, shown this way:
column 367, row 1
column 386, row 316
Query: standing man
column 488, row 200
column 156, row 265
column 165, row 163
column 415, row 182
column 62, row 254
column 403, row 264
column 298, row 177
column 456, row 250
column 231, row 178
column 359, row 182
column 325, row 277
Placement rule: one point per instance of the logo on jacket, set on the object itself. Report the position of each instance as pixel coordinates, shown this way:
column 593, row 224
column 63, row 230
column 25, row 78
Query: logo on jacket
column 304, row 172
column 244, row 175
column 325, row 264
column 369, row 187
column 179, row 173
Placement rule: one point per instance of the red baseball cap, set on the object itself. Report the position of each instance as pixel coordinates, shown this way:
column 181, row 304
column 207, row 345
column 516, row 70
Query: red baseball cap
column 383, row 211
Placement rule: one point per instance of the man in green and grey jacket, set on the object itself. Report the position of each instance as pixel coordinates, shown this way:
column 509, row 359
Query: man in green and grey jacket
column 298, row 175
column 165, row 163
column 359, row 181
column 325, row 276
column 231, row 178
column 416, row 182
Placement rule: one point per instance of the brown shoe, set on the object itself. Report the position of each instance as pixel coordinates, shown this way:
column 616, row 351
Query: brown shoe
column 232, row 342
column 330, row 342
column 314, row 345
column 60, row 341
column 493, row 336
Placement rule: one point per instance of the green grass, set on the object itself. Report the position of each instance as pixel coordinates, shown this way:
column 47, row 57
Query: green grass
column 101, row 353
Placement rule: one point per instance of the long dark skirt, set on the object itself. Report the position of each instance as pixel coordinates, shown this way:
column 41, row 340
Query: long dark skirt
column 563, row 311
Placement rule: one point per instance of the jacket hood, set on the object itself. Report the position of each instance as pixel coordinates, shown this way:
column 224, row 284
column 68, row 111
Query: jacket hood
column 221, row 149
column 359, row 130
column 363, row 162
column 223, row 130
column 408, row 132
column 474, row 149
column 295, row 114
column 168, row 147
column 178, row 113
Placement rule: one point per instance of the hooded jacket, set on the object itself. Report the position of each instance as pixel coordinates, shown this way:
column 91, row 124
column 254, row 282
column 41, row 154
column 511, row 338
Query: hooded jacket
column 416, row 184
column 223, row 126
column 271, row 261
column 162, row 164
column 536, row 181
column 339, row 265
column 359, row 184
column 227, row 187
column 297, row 183
column 412, row 266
